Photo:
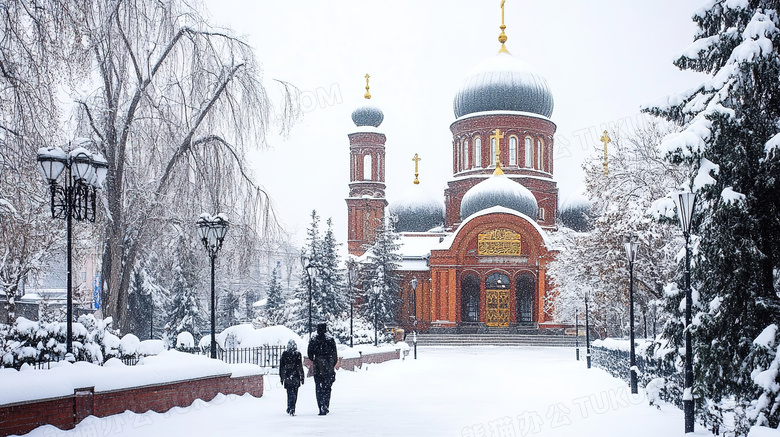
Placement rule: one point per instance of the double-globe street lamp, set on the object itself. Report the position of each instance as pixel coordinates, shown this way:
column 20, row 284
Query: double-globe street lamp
column 351, row 266
column 73, row 199
column 212, row 232
column 685, row 203
column 631, row 248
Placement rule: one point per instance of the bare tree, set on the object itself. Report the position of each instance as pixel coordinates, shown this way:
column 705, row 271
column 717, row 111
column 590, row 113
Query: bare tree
column 174, row 105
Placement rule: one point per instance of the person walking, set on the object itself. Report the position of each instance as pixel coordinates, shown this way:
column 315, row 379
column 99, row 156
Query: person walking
column 291, row 374
column 323, row 355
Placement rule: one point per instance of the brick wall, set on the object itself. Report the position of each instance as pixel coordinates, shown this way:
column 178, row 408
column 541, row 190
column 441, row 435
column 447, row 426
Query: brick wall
column 66, row 412
column 357, row 362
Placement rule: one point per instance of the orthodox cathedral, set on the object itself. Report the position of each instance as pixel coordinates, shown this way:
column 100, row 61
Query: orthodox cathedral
column 478, row 260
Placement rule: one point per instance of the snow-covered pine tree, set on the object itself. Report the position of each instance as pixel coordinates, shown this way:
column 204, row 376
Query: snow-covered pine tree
column 185, row 312
column 381, row 284
column 731, row 137
column 140, row 305
column 330, row 279
column 275, row 307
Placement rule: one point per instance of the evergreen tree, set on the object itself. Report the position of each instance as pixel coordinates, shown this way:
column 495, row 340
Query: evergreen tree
column 185, row 312
column 230, row 305
column 731, row 138
column 330, row 279
column 275, row 313
column 381, row 283
column 140, row 305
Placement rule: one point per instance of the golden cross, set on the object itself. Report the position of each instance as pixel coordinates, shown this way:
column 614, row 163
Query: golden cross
column 502, row 37
column 416, row 160
column 367, row 94
column 605, row 139
column 498, row 136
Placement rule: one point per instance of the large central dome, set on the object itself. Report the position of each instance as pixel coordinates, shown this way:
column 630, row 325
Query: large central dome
column 503, row 83
column 498, row 190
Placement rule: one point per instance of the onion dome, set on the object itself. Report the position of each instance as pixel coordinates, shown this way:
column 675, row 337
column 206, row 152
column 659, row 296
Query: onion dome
column 417, row 211
column 367, row 115
column 498, row 190
column 575, row 212
column 503, row 83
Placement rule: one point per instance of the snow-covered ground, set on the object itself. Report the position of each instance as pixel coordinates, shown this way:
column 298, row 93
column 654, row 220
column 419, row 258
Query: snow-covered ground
column 484, row 391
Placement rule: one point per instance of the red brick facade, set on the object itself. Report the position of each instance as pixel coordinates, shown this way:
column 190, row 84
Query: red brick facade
column 366, row 202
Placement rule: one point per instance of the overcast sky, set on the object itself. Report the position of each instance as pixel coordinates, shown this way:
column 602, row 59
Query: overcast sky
column 601, row 58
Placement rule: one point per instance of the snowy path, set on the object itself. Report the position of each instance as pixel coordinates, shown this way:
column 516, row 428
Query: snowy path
column 486, row 391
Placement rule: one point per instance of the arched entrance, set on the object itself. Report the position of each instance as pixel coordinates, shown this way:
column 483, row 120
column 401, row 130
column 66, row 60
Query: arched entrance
column 497, row 300
column 525, row 298
column 470, row 299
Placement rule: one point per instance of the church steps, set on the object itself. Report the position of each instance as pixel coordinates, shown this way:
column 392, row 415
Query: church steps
column 496, row 340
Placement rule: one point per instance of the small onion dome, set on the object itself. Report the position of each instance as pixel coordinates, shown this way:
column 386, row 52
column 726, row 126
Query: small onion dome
column 498, row 190
column 575, row 212
column 368, row 115
column 417, row 211
column 503, row 83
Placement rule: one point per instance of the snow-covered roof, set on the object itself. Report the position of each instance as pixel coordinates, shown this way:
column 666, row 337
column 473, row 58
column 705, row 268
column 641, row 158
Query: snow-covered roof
column 446, row 244
column 417, row 210
column 498, row 190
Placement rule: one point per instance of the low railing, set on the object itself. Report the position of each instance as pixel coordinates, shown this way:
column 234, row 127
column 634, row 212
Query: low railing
column 263, row 356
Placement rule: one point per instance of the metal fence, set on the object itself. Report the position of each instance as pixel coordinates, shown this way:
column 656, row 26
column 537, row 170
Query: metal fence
column 263, row 356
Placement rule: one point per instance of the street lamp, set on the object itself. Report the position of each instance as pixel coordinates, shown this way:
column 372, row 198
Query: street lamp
column 350, row 278
column 311, row 270
column 577, row 333
column 587, row 330
column 413, row 284
column 75, row 198
column 631, row 248
column 685, row 203
column 212, row 232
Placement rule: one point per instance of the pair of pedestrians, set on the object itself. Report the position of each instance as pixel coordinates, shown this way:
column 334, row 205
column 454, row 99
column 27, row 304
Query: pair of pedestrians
column 323, row 355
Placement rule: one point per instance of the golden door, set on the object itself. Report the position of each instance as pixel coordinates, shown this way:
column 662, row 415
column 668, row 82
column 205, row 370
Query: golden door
column 497, row 306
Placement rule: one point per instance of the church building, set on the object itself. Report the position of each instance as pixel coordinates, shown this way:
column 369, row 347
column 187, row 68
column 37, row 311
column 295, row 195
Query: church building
column 477, row 261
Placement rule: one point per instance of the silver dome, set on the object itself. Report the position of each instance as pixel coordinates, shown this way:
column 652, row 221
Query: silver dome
column 367, row 116
column 498, row 190
column 417, row 211
column 503, row 83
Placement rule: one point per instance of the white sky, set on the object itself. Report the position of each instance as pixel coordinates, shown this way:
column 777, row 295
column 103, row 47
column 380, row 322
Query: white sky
column 601, row 58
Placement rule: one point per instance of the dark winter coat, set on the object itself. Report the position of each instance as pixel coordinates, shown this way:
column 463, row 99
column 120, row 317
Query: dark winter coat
column 323, row 355
column 291, row 369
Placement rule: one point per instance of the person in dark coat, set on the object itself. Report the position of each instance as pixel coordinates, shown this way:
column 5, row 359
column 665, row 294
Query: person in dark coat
column 323, row 355
column 291, row 374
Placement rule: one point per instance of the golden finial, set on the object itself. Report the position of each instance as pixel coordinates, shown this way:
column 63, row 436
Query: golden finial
column 605, row 139
column 497, row 136
column 416, row 159
column 502, row 37
column 367, row 94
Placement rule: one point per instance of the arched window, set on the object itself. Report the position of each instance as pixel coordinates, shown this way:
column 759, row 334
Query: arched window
column 478, row 152
column 470, row 299
column 539, row 154
column 529, row 153
column 512, row 150
column 541, row 214
column 367, row 173
column 526, row 285
column 466, row 154
column 497, row 281
column 492, row 151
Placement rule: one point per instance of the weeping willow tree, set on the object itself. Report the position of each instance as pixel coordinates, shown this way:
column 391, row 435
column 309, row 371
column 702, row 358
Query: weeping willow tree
column 174, row 105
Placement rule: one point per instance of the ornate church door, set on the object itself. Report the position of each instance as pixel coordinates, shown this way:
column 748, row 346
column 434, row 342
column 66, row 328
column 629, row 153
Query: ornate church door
column 497, row 300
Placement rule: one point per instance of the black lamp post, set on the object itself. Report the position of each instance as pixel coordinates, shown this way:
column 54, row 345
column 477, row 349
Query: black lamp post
column 631, row 248
column 577, row 333
column 75, row 198
column 685, row 203
column 587, row 331
column 311, row 270
column 413, row 284
column 350, row 279
column 212, row 232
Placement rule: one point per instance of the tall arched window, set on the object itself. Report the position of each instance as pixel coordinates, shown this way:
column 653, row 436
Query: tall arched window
column 539, row 154
column 466, row 154
column 492, row 151
column 512, row 150
column 367, row 174
column 478, row 152
column 529, row 153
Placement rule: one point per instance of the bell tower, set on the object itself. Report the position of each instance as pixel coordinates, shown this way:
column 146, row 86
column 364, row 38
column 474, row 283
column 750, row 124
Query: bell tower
column 366, row 202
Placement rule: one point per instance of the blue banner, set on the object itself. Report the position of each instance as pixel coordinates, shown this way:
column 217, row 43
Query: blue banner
column 96, row 293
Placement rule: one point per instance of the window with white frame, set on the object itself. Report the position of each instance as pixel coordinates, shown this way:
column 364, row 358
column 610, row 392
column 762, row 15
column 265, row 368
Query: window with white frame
column 512, row 150
column 478, row 152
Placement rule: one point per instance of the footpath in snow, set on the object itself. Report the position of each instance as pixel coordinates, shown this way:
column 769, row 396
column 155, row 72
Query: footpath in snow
column 473, row 391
